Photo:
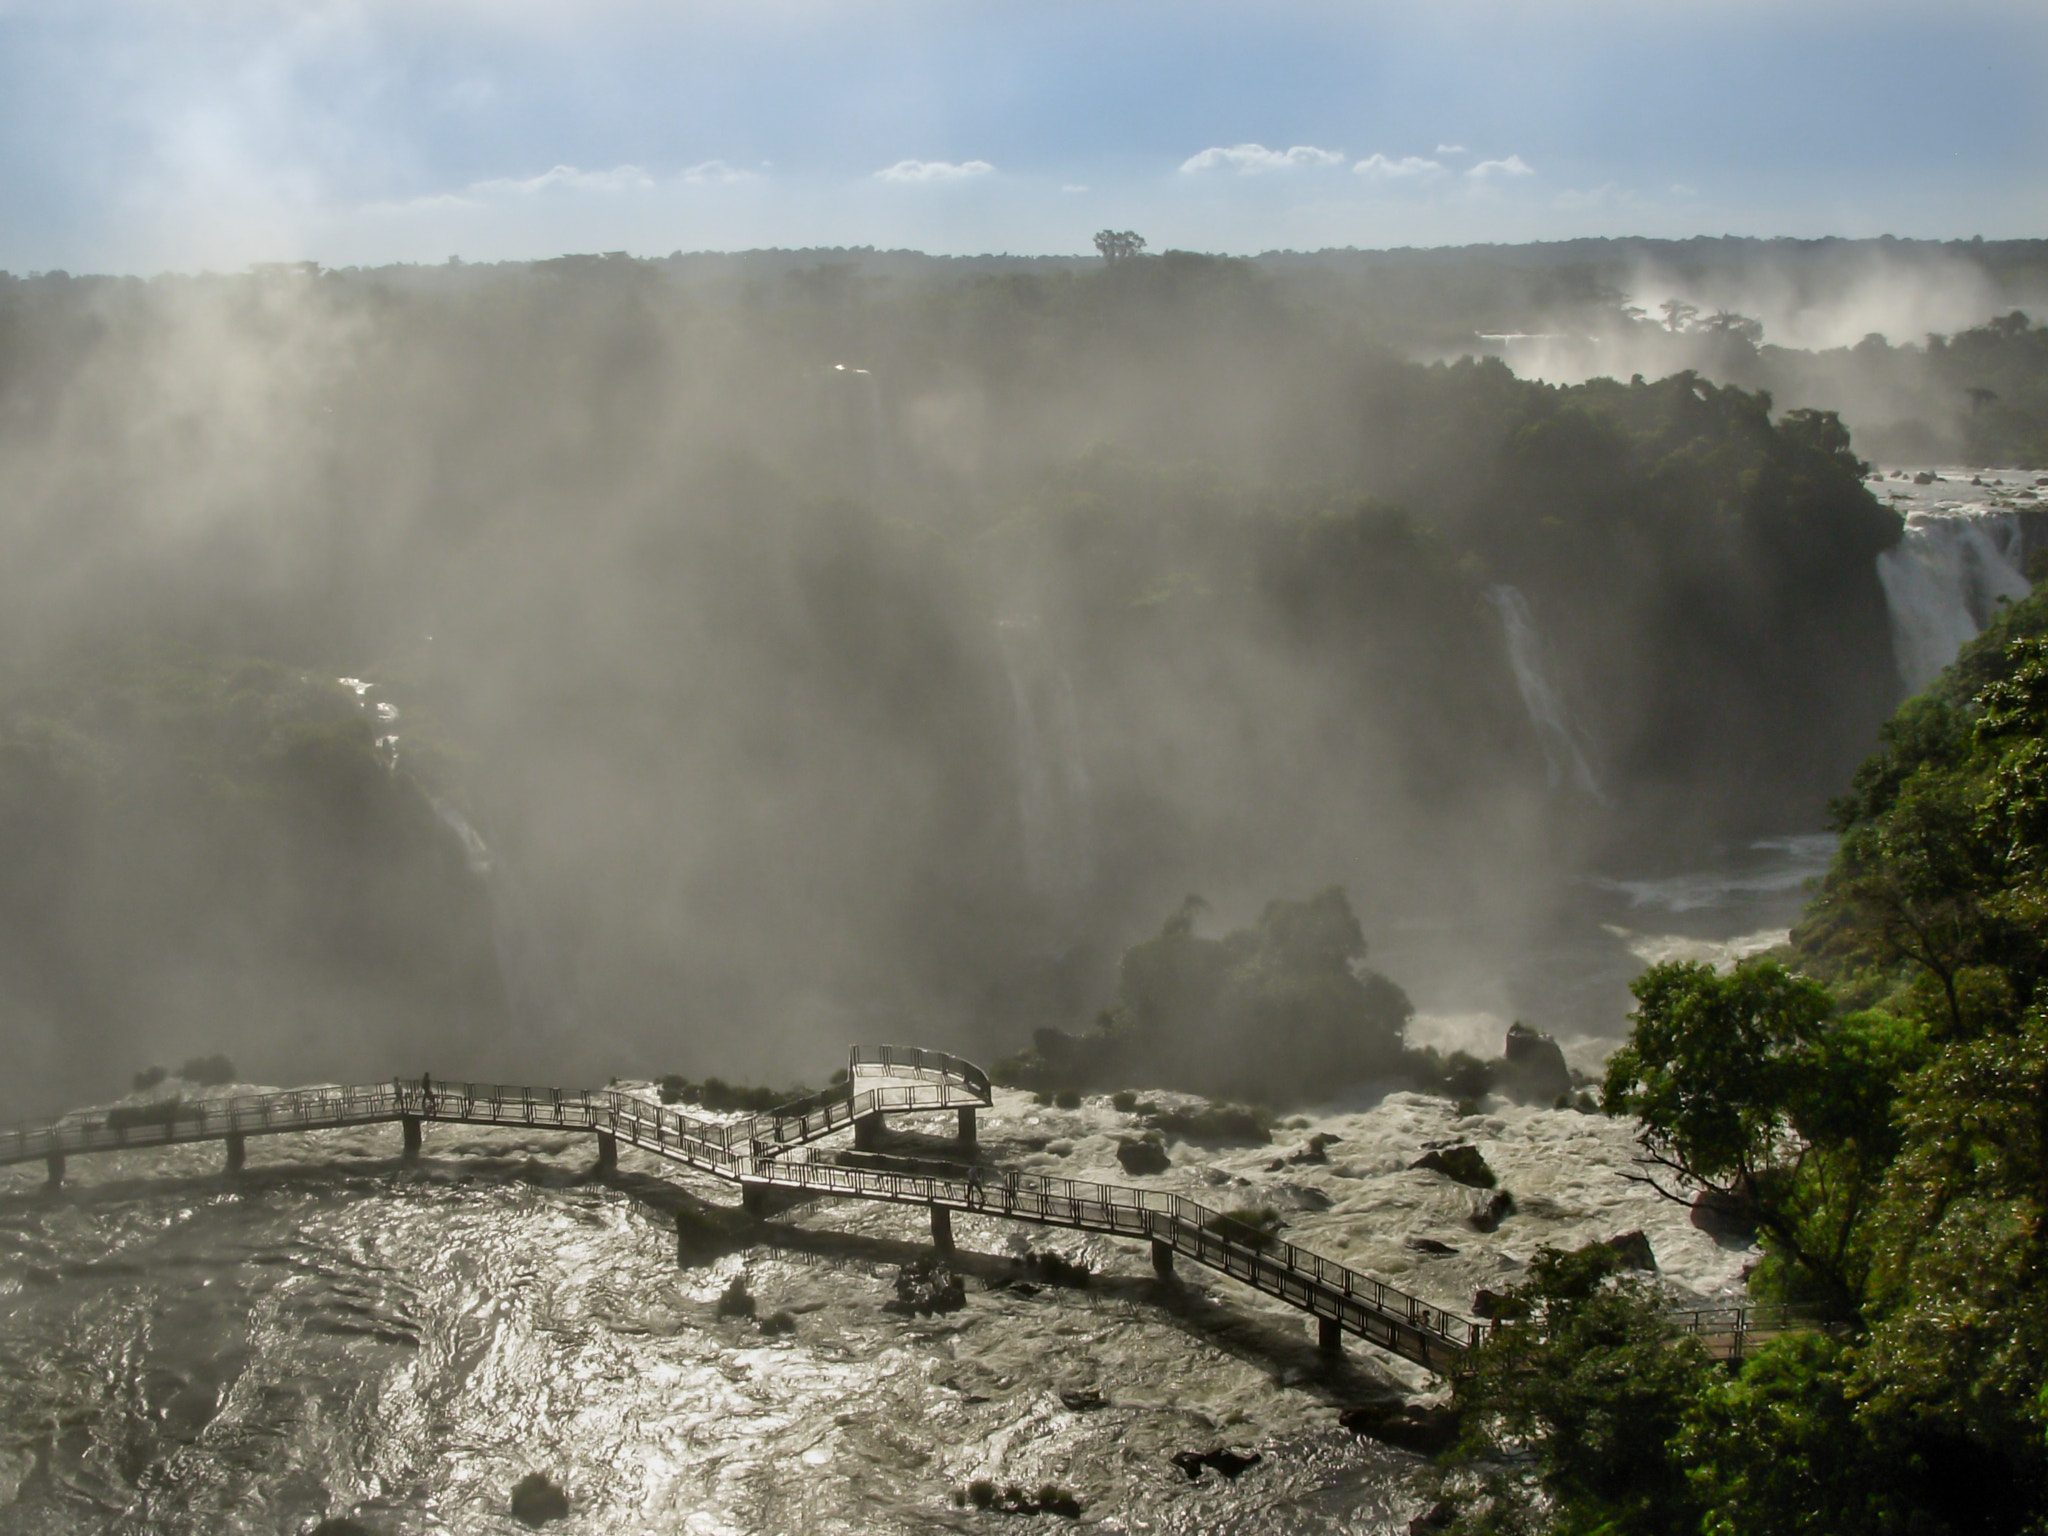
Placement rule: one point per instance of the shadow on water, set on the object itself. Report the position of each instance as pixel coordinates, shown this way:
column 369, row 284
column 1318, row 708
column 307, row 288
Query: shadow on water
column 707, row 1231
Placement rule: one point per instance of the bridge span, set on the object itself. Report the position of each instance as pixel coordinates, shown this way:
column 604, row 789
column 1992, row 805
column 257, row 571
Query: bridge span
column 773, row 1151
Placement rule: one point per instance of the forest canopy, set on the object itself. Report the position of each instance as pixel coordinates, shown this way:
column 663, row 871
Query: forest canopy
column 1878, row 1114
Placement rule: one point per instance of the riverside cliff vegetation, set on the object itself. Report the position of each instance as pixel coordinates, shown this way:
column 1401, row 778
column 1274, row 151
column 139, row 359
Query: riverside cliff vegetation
column 819, row 646
column 1878, row 1114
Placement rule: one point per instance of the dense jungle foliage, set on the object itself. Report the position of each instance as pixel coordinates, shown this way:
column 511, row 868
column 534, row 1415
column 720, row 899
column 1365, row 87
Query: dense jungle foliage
column 1876, row 1103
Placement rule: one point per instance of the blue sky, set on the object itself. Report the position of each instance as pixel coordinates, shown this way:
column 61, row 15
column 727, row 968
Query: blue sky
column 187, row 133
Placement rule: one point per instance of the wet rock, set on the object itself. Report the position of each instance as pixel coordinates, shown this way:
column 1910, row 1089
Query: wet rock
column 536, row 1500
column 1315, row 1150
column 341, row 1525
column 1462, row 1163
column 1055, row 1268
column 1430, row 1245
column 927, row 1286
column 776, row 1324
column 1228, row 1462
column 736, row 1302
column 1725, row 1216
column 1488, row 1304
column 1084, row 1400
column 1406, row 1426
column 1142, row 1155
column 1533, row 1068
column 1489, row 1213
column 1440, row 1516
column 1049, row 1499
column 1304, row 1197
column 1634, row 1251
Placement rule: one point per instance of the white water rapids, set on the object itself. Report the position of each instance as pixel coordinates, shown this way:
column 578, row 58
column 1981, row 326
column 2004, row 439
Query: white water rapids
column 336, row 1334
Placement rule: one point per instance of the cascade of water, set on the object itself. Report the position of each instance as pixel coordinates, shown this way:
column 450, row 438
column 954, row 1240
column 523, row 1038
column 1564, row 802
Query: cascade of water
column 1562, row 754
column 861, row 428
column 1054, row 797
column 1942, row 583
column 519, row 970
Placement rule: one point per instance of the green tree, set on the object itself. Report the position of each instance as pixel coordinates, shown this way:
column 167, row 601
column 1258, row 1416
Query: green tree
column 1751, row 1085
column 1119, row 244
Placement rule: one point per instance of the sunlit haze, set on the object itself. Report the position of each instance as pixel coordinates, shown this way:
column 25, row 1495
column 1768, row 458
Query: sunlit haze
column 138, row 136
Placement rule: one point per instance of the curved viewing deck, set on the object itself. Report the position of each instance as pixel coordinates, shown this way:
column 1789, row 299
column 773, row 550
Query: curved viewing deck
column 770, row 1151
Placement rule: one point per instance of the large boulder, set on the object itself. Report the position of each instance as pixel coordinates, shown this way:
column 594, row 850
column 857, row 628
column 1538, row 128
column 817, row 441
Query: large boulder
column 925, row 1286
column 1142, row 1155
column 536, row 1500
column 1532, row 1068
column 1726, row 1216
column 1464, row 1164
column 1411, row 1427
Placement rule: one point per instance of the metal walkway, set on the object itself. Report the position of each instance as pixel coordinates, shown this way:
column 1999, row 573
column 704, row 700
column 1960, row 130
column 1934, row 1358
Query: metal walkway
column 771, row 1151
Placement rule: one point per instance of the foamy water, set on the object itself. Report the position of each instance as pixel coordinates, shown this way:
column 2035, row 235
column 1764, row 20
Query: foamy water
column 338, row 1333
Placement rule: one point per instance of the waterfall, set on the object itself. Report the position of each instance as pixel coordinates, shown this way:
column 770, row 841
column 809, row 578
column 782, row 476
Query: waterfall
column 1942, row 583
column 527, row 994
column 1054, row 798
column 862, row 429
column 1562, row 755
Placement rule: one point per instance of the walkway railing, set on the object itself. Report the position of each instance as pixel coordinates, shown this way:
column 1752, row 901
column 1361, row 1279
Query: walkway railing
column 766, row 1149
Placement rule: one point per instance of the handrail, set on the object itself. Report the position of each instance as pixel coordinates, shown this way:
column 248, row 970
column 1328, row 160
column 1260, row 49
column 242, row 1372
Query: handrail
column 754, row 1149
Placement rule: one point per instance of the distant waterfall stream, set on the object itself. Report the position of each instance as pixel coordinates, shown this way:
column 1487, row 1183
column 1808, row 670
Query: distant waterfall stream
column 1054, row 798
column 521, row 972
column 1942, row 583
column 1541, row 697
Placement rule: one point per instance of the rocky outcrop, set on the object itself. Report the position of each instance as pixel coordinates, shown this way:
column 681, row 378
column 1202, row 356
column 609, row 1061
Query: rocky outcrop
column 537, row 1500
column 1426, row 1431
column 1464, row 1164
column 1532, row 1068
column 927, row 1286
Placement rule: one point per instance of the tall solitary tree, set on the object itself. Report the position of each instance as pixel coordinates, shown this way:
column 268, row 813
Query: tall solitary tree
column 1119, row 244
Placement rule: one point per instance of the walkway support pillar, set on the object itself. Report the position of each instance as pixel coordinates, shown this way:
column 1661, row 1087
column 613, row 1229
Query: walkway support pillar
column 607, row 1152
column 754, row 1197
column 238, row 1151
column 942, row 1229
column 1329, row 1337
column 411, row 1124
column 967, row 1125
column 867, row 1132
column 1162, row 1259
column 55, row 1163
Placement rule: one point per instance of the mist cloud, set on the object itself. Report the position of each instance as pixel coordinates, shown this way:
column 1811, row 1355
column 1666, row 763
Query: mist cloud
column 933, row 170
column 1513, row 165
column 1380, row 168
column 1254, row 159
column 623, row 178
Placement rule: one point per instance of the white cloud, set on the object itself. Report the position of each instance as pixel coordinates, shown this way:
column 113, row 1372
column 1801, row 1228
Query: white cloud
column 1250, row 159
column 1380, row 168
column 1514, row 165
column 933, row 170
column 1073, row 189
column 1452, row 149
column 624, row 178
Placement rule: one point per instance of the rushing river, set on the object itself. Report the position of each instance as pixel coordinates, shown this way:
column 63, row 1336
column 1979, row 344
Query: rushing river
column 335, row 1334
